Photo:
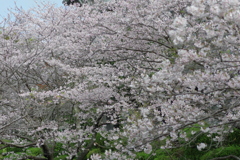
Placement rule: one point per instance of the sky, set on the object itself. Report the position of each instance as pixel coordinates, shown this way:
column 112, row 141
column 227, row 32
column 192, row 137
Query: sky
column 25, row 4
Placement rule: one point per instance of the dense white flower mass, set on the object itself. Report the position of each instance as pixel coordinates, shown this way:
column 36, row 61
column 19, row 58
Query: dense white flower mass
column 179, row 22
column 132, row 75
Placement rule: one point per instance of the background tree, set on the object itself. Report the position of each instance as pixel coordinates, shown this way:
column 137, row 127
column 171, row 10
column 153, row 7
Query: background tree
column 71, row 2
column 78, row 2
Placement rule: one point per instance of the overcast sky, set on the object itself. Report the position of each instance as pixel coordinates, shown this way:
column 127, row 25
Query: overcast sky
column 25, row 4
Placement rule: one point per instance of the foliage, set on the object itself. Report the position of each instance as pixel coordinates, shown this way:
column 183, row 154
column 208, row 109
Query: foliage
column 221, row 152
column 34, row 151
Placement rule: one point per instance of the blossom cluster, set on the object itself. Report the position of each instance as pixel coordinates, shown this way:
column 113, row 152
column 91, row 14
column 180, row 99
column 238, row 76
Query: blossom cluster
column 140, row 72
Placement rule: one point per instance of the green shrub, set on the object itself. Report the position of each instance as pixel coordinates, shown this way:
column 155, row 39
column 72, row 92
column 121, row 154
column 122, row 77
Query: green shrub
column 233, row 138
column 163, row 157
column 14, row 149
column 142, row 156
column 58, row 149
column 160, row 154
column 34, row 151
column 221, row 152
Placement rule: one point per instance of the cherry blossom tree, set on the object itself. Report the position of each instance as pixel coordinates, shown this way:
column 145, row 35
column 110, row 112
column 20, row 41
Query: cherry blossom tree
column 142, row 73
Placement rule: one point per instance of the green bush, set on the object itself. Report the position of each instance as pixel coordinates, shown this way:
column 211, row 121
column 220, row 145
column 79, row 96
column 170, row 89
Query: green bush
column 233, row 138
column 221, row 152
column 163, row 157
column 142, row 156
column 230, row 146
column 165, row 154
column 160, row 154
column 34, row 151
column 58, row 149
column 14, row 149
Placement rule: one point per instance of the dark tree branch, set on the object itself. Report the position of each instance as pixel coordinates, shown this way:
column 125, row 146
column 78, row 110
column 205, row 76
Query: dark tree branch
column 23, row 137
column 11, row 123
column 17, row 146
column 226, row 157
column 33, row 158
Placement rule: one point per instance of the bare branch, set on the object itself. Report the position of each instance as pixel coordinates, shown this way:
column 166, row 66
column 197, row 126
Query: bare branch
column 12, row 123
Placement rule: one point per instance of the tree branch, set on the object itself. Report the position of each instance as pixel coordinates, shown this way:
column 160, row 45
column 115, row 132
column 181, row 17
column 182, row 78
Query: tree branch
column 18, row 146
column 226, row 157
column 11, row 123
column 34, row 158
